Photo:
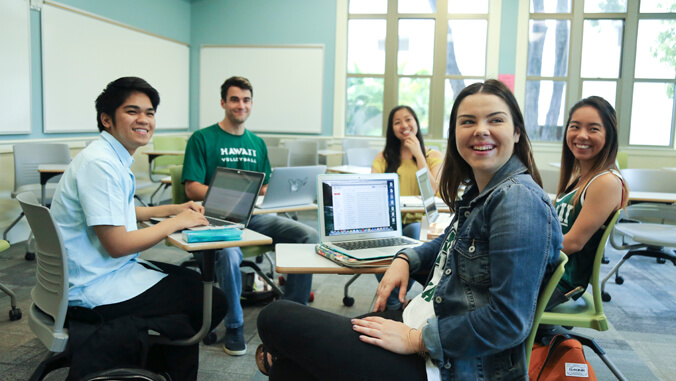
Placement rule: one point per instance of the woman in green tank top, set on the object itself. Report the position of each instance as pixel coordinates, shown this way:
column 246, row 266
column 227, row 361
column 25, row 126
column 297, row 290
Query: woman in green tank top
column 590, row 190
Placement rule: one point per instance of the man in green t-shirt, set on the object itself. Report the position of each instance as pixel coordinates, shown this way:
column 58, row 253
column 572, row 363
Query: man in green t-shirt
column 229, row 144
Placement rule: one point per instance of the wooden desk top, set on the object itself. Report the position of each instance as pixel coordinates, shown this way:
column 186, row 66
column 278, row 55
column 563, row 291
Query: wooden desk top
column 301, row 258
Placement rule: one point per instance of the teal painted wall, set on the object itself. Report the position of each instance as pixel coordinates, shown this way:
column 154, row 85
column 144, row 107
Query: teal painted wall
column 168, row 18
column 508, row 24
column 264, row 22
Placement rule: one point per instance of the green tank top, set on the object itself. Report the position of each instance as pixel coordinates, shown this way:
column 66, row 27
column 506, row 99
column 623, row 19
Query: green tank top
column 580, row 265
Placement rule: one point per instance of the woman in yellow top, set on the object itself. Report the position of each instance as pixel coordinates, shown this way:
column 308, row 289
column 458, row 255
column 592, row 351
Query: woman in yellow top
column 405, row 154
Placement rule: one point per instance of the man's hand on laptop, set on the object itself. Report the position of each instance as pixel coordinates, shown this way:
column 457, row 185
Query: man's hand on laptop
column 192, row 205
column 189, row 218
column 395, row 276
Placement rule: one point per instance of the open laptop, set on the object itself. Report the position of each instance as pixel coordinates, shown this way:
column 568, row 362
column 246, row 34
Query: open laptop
column 231, row 197
column 427, row 195
column 291, row 186
column 359, row 215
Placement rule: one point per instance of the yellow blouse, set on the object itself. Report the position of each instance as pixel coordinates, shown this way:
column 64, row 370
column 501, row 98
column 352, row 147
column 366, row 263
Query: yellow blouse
column 408, row 183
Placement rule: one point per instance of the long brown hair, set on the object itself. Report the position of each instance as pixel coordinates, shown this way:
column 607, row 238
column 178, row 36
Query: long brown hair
column 570, row 167
column 392, row 151
column 456, row 171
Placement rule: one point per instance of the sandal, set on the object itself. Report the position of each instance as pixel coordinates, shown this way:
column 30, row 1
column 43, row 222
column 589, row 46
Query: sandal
column 262, row 359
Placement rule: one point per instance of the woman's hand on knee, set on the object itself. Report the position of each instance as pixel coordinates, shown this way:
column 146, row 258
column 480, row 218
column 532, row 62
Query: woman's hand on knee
column 388, row 334
column 396, row 276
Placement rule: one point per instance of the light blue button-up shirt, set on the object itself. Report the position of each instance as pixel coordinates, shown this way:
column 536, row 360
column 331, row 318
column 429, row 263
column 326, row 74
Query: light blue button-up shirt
column 98, row 189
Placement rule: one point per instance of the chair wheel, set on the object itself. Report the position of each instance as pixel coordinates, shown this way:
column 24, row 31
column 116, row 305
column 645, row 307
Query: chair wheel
column 661, row 260
column 619, row 280
column 605, row 260
column 259, row 259
column 14, row 314
column 605, row 296
column 210, row 338
column 312, row 297
column 282, row 280
column 29, row 256
column 348, row 301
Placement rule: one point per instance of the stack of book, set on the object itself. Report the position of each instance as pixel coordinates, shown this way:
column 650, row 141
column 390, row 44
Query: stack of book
column 347, row 261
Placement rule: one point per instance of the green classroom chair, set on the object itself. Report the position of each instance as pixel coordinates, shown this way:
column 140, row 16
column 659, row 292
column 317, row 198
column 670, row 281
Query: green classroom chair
column 543, row 299
column 587, row 311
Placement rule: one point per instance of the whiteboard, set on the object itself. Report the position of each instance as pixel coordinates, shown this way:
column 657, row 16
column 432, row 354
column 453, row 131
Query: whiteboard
column 15, row 80
column 287, row 83
column 82, row 53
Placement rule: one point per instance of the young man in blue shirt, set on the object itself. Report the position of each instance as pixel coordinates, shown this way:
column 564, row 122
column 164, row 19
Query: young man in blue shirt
column 229, row 144
column 93, row 206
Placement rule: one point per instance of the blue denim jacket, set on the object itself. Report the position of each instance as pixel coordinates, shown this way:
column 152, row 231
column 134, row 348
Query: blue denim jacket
column 508, row 240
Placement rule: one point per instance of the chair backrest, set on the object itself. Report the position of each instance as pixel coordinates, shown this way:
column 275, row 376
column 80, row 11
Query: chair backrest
column 550, row 180
column 50, row 293
column 651, row 212
column 543, row 299
column 270, row 141
column 590, row 315
column 27, row 157
column 362, row 157
column 178, row 195
column 302, row 152
column 168, row 143
column 355, row 143
column 622, row 160
column 650, row 180
column 278, row 156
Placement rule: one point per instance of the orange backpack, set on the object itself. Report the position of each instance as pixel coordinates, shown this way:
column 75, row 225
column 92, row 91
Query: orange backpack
column 562, row 359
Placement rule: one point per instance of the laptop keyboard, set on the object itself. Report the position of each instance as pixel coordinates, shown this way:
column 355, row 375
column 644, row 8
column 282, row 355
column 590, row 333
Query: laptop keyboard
column 374, row 243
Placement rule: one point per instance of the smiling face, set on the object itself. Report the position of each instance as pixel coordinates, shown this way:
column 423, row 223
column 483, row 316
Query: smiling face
column 586, row 135
column 403, row 124
column 237, row 105
column 485, row 135
column 134, row 122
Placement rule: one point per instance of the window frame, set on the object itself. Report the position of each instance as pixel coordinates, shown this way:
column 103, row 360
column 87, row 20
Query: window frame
column 391, row 77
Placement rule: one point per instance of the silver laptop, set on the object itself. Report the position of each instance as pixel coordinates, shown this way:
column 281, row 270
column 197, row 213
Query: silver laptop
column 359, row 215
column 291, row 186
column 231, row 197
column 427, row 195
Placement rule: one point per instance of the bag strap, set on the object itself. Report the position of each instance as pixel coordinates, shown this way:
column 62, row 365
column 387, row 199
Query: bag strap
column 553, row 344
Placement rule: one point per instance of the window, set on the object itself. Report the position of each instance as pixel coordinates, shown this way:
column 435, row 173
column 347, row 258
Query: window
column 622, row 51
column 400, row 51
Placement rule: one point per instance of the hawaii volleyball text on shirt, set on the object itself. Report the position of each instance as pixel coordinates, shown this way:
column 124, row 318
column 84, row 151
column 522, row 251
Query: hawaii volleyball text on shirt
column 235, row 155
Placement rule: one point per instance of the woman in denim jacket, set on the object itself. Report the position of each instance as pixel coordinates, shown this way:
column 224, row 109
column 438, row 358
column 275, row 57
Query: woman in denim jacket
column 471, row 320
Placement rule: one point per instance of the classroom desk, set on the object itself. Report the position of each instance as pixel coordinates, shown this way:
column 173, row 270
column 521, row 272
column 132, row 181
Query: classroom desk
column 667, row 198
column 413, row 204
column 208, row 250
column 301, row 258
column 669, row 168
column 659, row 197
column 47, row 171
column 350, row 169
column 152, row 155
column 330, row 152
column 282, row 209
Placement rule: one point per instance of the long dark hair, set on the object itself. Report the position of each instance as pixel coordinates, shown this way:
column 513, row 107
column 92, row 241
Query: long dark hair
column 456, row 171
column 392, row 151
column 605, row 159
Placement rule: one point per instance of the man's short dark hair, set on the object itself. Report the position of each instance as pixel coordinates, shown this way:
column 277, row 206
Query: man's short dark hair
column 114, row 95
column 240, row 82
